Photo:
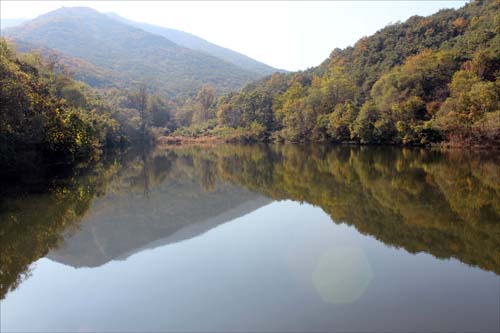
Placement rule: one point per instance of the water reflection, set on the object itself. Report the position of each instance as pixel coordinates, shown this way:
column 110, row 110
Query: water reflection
column 443, row 203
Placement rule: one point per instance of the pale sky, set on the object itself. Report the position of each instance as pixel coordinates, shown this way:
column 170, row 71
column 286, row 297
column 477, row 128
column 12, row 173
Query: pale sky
column 291, row 35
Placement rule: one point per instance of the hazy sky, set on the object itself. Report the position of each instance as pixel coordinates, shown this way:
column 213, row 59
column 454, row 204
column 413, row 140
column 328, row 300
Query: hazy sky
column 289, row 35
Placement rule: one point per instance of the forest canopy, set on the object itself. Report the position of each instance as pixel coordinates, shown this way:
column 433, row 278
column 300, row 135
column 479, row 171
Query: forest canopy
column 426, row 80
column 47, row 118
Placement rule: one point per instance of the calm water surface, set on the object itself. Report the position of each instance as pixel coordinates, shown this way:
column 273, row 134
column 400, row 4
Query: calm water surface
column 257, row 238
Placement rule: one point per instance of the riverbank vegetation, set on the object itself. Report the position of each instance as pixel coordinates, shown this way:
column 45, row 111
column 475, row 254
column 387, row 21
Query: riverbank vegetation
column 427, row 80
column 48, row 120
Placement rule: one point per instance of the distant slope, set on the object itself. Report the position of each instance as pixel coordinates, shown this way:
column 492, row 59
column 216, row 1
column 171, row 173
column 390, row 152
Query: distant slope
column 81, row 70
column 7, row 23
column 173, row 70
column 196, row 43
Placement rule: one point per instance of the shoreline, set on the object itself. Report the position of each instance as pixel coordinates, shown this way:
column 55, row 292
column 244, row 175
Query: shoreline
column 178, row 140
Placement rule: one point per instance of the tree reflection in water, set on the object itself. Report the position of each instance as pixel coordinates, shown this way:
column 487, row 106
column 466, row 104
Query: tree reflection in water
column 445, row 203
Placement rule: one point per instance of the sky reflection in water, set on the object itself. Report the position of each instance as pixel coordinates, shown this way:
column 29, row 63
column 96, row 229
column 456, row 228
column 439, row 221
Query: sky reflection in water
column 209, row 249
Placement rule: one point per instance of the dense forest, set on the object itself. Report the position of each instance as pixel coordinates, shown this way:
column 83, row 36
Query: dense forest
column 426, row 80
column 445, row 203
column 77, row 84
column 47, row 119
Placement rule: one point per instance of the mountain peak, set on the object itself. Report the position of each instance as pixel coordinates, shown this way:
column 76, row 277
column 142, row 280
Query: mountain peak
column 131, row 52
column 74, row 10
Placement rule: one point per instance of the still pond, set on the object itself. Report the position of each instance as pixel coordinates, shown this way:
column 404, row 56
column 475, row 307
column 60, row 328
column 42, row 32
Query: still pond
column 257, row 238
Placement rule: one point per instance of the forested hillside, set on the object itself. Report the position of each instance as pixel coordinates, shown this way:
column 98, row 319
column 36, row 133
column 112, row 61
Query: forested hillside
column 42, row 116
column 428, row 80
column 422, row 81
column 79, row 69
column 47, row 119
column 131, row 54
column 196, row 43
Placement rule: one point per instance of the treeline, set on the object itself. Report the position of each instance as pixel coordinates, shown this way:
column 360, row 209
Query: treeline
column 47, row 119
column 423, row 81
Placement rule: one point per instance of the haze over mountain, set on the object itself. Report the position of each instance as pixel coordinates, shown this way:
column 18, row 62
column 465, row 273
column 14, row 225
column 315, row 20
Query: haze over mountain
column 196, row 43
column 131, row 53
column 8, row 23
column 81, row 70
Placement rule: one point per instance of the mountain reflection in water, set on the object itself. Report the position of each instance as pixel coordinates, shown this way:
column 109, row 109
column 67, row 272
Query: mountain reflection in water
column 446, row 204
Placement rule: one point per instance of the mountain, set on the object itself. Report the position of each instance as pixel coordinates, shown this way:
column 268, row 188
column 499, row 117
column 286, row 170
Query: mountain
column 131, row 53
column 81, row 70
column 187, row 40
column 199, row 44
column 7, row 23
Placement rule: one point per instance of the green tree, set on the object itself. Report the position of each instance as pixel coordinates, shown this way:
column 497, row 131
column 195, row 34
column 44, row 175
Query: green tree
column 340, row 121
column 464, row 113
column 372, row 126
column 204, row 110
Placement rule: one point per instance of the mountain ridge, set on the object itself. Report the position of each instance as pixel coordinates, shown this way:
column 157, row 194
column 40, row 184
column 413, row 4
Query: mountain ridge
column 194, row 42
column 138, row 55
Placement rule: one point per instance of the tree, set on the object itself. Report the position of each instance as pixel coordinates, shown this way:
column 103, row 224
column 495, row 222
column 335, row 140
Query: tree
column 205, row 101
column 139, row 101
column 340, row 121
column 372, row 126
column 471, row 100
column 160, row 111
column 291, row 113
column 228, row 115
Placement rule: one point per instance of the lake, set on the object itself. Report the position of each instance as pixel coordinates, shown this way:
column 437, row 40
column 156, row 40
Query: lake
column 257, row 238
